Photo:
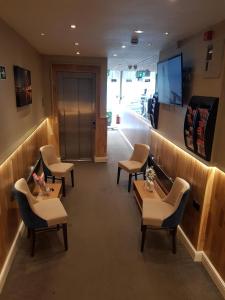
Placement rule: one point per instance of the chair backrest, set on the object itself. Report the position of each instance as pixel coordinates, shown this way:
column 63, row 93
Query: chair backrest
column 26, row 203
column 140, row 153
column 48, row 155
column 177, row 197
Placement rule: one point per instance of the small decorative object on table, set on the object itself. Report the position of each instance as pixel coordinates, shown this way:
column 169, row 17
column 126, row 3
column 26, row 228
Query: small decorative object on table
column 150, row 176
column 40, row 181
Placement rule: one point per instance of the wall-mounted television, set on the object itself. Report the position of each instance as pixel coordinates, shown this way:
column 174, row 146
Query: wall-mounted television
column 169, row 80
column 23, row 88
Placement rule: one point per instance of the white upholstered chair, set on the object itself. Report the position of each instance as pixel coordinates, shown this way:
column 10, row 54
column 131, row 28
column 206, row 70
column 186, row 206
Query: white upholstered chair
column 136, row 164
column 53, row 167
column 166, row 213
column 39, row 215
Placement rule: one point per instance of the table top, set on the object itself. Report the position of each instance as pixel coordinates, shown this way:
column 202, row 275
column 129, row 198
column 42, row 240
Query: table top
column 157, row 192
column 55, row 189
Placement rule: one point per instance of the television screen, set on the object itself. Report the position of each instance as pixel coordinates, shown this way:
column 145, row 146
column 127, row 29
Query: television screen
column 169, row 80
column 22, row 79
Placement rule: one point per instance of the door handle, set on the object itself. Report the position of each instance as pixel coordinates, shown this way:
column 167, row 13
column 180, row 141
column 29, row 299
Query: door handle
column 94, row 124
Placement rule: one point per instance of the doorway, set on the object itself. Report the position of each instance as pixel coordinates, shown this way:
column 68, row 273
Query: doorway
column 76, row 115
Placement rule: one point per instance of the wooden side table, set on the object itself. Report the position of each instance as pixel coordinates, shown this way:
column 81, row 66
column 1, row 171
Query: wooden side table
column 142, row 194
column 55, row 191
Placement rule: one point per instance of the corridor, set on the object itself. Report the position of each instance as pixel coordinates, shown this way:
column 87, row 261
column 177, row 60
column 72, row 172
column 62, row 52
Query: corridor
column 104, row 261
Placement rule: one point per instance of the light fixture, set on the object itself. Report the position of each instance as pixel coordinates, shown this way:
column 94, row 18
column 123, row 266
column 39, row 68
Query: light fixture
column 114, row 54
column 78, row 53
column 123, row 46
column 166, row 33
column 73, row 26
column 76, row 44
column 138, row 31
column 42, row 34
column 149, row 44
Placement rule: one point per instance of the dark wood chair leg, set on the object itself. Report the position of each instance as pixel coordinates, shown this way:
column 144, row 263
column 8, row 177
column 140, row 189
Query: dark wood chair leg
column 135, row 176
column 63, row 187
column 28, row 233
column 65, row 236
column 143, row 230
column 174, row 246
column 33, row 238
column 129, row 182
column 53, row 179
column 144, row 176
column 72, row 178
column 118, row 175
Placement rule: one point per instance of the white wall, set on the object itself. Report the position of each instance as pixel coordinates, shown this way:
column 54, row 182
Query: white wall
column 16, row 122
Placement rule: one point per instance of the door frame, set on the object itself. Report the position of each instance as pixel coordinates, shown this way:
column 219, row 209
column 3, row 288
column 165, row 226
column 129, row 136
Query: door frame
column 100, row 135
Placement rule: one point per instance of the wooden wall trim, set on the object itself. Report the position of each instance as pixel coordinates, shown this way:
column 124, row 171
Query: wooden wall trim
column 17, row 165
column 206, row 244
column 184, row 165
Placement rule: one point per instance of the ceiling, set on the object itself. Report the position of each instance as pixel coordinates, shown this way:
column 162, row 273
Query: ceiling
column 104, row 26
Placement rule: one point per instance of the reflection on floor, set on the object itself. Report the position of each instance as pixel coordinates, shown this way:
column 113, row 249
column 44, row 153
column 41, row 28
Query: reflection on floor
column 104, row 261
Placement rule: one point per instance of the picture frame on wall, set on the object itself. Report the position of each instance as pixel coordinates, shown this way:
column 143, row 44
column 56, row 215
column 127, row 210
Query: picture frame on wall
column 23, row 87
column 2, row 72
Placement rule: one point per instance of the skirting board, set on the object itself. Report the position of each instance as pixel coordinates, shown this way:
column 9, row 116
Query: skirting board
column 200, row 256
column 196, row 255
column 213, row 274
column 9, row 259
column 100, row 158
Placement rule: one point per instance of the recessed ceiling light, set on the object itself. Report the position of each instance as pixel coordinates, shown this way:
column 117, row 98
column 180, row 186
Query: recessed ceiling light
column 115, row 54
column 166, row 33
column 78, row 53
column 123, row 46
column 73, row 26
column 42, row 34
column 138, row 31
column 76, row 44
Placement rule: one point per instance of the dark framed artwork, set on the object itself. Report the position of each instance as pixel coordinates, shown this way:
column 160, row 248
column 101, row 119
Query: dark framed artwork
column 2, row 73
column 23, row 88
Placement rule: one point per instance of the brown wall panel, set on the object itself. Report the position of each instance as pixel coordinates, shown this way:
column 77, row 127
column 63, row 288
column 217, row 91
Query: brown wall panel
column 177, row 163
column 215, row 232
column 16, row 166
column 101, row 137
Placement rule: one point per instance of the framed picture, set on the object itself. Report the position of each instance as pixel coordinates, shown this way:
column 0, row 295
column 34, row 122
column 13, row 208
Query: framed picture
column 23, row 88
column 2, row 73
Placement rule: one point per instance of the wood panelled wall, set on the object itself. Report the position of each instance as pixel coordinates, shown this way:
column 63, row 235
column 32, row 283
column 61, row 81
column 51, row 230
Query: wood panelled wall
column 205, row 228
column 17, row 165
column 214, row 246
column 177, row 163
column 101, row 137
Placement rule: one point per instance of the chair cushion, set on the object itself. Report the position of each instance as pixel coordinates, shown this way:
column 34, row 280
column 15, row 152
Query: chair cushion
column 60, row 169
column 130, row 166
column 155, row 211
column 52, row 211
